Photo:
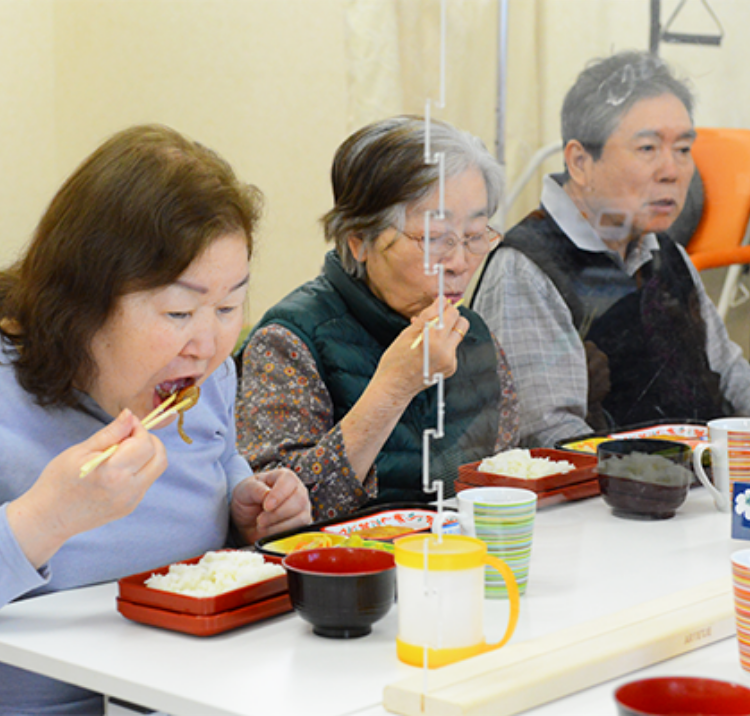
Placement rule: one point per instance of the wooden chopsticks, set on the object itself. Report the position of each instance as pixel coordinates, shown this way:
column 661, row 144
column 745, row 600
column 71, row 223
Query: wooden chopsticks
column 155, row 417
column 431, row 322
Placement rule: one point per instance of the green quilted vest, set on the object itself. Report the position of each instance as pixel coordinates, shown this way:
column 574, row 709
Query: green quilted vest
column 347, row 330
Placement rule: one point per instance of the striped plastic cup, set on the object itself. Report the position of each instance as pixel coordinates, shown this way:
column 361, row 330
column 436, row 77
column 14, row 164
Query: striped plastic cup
column 741, row 586
column 503, row 518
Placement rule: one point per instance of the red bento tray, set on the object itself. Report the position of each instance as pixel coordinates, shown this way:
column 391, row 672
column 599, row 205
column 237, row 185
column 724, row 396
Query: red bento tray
column 134, row 590
column 585, row 471
column 209, row 625
column 578, row 484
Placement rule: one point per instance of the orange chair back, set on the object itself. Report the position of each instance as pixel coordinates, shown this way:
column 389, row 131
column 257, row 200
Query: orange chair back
column 722, row 157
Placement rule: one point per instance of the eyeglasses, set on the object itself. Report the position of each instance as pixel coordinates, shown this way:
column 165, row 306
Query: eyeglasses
column 442, row 246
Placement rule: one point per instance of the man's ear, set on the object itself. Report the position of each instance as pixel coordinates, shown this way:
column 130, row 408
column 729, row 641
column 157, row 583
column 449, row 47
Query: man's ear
column 579, row 163
column 357, row 247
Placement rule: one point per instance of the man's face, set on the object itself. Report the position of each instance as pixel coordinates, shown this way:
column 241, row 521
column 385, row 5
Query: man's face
column 645, row 168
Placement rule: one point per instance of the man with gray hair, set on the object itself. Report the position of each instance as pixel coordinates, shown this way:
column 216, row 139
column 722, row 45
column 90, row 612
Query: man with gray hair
column 604, row 320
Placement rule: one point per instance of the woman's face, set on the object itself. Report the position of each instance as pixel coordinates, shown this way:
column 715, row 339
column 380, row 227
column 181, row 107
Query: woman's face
column 395, row 263
column 164, row 339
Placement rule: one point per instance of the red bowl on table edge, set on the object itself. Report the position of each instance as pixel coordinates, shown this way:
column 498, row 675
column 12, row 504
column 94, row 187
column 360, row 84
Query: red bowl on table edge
column 133, row 589
column 682, row 696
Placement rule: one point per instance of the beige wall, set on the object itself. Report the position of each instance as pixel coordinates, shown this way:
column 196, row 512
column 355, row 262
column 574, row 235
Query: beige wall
column 273, row 85
column 27, row 119
column 276, row 85
column 254, row 80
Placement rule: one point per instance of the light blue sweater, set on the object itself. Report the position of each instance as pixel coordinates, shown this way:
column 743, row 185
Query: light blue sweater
column 184, row 514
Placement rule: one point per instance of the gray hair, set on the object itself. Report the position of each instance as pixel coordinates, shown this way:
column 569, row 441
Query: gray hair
column 607, row 89
column 380, row 170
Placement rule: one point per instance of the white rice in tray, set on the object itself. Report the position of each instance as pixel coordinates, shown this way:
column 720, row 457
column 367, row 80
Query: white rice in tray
column 519, row 463
column 215, row 573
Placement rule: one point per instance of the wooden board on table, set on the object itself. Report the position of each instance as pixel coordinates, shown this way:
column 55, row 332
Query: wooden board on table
column 524, row 675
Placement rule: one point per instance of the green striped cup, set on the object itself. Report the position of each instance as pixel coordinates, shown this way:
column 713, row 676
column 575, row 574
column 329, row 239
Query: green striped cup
column 503, row 518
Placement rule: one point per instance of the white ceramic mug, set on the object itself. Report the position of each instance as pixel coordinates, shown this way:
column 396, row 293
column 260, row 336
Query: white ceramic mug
column 729, row 443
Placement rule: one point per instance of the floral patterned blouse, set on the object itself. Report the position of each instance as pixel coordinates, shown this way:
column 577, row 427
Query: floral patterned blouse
column 285, row 418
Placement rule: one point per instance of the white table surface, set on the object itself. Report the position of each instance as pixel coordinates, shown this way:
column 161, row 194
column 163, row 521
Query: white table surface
column 586, row 563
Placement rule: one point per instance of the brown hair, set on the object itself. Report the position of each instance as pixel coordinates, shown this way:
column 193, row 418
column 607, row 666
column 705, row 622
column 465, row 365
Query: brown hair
column 132, row 217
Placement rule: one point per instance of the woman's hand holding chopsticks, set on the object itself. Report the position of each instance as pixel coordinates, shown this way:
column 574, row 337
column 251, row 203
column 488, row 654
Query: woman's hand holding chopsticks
column 155, row 417
column 434, row 322
column 67, row 505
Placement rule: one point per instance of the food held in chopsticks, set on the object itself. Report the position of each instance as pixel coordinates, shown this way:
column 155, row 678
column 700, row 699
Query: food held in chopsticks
column 186, row 398
column 183, row 400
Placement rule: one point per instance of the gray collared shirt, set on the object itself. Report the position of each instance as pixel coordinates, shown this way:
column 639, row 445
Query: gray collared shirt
column 534, row 325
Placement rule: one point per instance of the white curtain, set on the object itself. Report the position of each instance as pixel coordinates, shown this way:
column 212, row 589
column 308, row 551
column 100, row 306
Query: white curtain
column 393, row 48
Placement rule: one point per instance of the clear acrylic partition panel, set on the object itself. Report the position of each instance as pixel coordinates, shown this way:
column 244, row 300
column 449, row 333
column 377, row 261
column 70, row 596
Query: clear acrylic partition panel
column 539, row 50
column 434, row 268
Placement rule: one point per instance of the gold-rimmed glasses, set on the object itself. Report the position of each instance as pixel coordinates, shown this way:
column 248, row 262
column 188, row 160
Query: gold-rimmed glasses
column 442, row 246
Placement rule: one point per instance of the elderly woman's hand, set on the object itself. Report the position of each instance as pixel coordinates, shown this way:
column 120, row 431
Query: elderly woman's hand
column 269, row 502
column 401, row 369
column 61, row 504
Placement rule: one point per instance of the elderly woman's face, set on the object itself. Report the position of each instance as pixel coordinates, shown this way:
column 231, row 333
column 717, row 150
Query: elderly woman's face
column 395, row 263
column 171, row 337
column 645, row 167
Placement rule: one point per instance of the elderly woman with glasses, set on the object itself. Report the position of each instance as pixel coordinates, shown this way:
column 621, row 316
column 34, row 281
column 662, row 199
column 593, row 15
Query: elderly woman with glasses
column 333, row 382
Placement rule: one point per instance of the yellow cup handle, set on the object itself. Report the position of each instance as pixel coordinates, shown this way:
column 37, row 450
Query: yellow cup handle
column 513, row 597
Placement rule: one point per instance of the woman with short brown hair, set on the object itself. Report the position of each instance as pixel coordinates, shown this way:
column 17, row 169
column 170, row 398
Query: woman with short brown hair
column 130, row 293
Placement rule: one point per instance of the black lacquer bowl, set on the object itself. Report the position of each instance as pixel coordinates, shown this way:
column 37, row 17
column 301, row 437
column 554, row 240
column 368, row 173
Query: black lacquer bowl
column 644, row 478
column 341, row 591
